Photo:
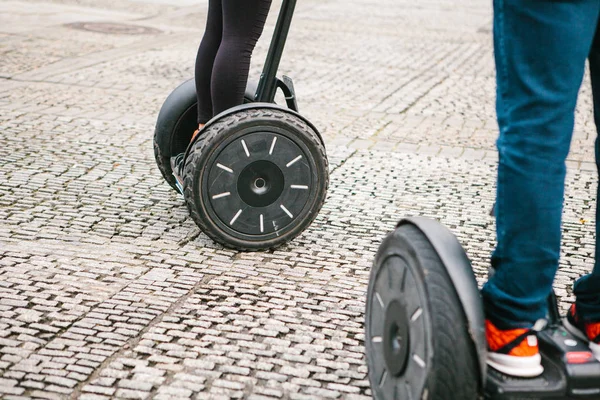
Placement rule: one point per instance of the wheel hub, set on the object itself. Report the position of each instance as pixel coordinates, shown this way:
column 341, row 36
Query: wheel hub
column 260, row 183
column 396, row 337
column 396, row 331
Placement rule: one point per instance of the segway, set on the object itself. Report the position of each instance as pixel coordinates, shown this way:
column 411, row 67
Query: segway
column 425, row 334
column 256, row 176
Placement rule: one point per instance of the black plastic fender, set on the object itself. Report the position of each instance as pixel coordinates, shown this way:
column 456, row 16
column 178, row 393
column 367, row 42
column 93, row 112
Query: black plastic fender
column 459, row 270
column 177, row 104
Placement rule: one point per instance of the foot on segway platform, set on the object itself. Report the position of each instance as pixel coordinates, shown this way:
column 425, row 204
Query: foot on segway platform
column 514, row 352
column 177, row 168
column 586, row 331
column 570, row 371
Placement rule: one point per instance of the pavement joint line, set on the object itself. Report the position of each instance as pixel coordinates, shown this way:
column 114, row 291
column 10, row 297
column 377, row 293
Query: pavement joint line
column 79, row 85
column 395, row 149
column 341, row 164
column 421, row 73
column 391, row 94
column 381, row 129
column 130, row 345
column 373, row 147
column 358, row 118
column 407, row 108
column 190, row 238
column 83, row 315
column 179, row 12
column 72, row 64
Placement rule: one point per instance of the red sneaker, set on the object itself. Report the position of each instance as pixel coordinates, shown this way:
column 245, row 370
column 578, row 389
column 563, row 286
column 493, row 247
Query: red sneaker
column 513, row 352
column 588, row 331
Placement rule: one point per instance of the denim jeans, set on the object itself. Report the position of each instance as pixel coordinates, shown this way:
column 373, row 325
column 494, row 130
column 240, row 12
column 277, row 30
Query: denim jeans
column 540, row 49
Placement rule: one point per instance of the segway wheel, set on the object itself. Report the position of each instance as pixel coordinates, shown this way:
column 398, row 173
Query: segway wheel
column 177, row 121
column 417, row 340
column 256, row 178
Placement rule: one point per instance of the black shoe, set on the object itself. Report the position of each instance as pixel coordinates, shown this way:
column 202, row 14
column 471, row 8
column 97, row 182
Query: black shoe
column 177, row 168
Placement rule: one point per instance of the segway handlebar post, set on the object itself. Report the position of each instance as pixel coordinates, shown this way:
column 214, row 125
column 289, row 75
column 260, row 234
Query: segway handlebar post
column 267, row 85
column 553, row 313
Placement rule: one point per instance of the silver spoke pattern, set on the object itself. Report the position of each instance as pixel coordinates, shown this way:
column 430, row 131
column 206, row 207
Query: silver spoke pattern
column 294, row 161
column 261, row 174
column 219, row 196
column 245, row 148
column 225, row 168
column 236, row 216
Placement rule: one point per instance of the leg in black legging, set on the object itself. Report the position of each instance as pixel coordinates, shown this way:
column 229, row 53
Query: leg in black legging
column 243, row 23
column 206, row 58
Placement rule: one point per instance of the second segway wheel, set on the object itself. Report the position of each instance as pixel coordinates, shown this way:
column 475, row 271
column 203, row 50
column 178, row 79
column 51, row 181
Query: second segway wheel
column 256, row 177
column 176, row 122
column 417, row 340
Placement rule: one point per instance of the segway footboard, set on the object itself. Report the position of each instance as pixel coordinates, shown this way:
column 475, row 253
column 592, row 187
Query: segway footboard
column 552, row 384
column 570, row 371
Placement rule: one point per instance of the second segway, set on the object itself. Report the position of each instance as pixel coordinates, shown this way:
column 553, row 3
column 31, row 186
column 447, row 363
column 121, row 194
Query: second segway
column 257, row 174
column 425, row 334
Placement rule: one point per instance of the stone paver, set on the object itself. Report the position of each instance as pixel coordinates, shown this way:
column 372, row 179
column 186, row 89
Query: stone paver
column 109, row 290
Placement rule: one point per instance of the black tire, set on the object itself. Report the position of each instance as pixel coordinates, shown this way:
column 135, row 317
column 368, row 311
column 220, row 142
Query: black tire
column 176, row 123
column 293, row 193
column 417, row 340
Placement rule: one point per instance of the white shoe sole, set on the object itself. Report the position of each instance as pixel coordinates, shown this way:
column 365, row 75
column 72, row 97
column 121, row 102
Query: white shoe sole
column 595, row 348
column 523, row 367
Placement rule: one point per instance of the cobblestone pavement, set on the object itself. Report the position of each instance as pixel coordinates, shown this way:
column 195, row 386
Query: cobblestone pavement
column 107, row 287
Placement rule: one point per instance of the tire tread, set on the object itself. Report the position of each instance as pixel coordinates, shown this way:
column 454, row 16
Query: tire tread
column 455, row 367
column 194, row 160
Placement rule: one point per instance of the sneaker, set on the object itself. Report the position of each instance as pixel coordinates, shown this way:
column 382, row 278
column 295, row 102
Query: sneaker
column 588, row 331
column 514, row 352
column 177, row 167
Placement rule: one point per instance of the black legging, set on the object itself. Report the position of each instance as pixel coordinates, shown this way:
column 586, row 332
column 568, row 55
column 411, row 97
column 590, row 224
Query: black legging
column 223, row 62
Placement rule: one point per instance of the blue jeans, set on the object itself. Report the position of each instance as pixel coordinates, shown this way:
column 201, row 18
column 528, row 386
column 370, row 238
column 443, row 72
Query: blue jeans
column 540, row 49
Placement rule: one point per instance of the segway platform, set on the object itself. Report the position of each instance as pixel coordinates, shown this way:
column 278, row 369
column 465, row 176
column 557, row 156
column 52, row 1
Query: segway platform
column 570, row 371
column 424, row 329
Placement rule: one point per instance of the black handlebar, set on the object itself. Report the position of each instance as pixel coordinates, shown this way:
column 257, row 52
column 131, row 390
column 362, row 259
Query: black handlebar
column 267, row 86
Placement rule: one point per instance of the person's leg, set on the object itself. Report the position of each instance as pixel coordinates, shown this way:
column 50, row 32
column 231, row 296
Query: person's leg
column 540, row 50
column 587, row 288
column 243, row 23
column 207, row 51
column 205, row 59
